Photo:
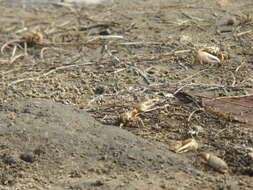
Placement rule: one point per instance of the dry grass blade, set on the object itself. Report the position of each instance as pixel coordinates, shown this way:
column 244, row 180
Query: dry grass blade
column 13, row 59
column 6, row 44
column 47, row 73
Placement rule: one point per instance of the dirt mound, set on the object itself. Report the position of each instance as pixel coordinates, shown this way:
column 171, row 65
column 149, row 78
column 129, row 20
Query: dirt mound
column 42, row 140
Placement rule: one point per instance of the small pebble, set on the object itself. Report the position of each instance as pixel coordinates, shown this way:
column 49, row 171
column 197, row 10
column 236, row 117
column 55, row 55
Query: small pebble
column 27, row 158
column 231, row 21
column 98, row 183
column 99, row 90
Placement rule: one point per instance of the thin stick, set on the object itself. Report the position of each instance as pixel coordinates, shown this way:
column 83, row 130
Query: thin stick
column 182, row 51
column 139, row 43
column 187, row 78
column 243, row 33
column 237, row 69
column 199, row 84
column 13, row 59
column 143, row 75
column 25, row 45
column 180, row 89
column 220, row 132
column 14, row 51
column 119, row 70
column 107, row 37
column 110, row 54
column 192, row 113
column 48, row 73
column 234, row 80
column 8, row 43
column 42, row 52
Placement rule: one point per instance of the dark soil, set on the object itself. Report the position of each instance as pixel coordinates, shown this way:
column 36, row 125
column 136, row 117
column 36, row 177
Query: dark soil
column 47, row 144
column 61, row 99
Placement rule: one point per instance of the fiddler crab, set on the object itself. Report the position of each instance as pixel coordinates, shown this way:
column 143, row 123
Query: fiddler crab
column 210, row 55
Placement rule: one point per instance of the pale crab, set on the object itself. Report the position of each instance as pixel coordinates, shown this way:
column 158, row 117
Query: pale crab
column 210, row 55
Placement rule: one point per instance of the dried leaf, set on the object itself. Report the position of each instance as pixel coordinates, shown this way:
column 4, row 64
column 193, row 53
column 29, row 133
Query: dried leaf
column 186, row 145
column 235, row 108
column 215, row 162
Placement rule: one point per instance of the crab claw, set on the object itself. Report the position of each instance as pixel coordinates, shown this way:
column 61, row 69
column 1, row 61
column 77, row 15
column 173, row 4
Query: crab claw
column 147, row 105
column 215, row 162
column 186, row 145
column 205, row 57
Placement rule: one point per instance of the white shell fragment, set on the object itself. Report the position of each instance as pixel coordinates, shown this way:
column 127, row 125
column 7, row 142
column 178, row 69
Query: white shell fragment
column 215, row 162
column 205, row 57
column 186, row 145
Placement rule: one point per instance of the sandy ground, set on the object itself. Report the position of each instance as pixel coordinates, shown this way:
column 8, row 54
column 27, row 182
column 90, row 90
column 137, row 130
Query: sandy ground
column 105, row 59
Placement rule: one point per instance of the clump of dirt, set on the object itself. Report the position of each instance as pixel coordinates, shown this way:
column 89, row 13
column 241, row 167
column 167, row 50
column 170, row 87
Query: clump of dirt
column 106, row 60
